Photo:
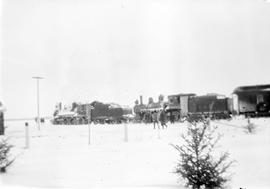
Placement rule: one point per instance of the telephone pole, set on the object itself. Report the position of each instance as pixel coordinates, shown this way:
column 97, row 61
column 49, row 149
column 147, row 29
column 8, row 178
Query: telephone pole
column 38, row 118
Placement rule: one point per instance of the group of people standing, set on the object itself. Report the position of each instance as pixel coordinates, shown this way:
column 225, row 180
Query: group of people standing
column 159, row 116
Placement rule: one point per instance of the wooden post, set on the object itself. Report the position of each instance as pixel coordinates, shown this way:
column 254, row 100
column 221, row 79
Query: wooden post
column 88, row 112
column 26, row 135
column 89, row 134
column 126, row 132
column 158, row 131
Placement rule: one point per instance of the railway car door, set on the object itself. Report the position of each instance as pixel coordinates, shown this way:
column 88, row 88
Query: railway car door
column 184, row 105
column 235, row 103
column 262, row 105
column 260, row 98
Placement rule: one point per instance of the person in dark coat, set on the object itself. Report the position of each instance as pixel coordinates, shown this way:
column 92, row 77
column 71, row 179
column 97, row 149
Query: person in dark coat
column 155, row 119
column 162, row 119
column 2, row 127
column 171, row 118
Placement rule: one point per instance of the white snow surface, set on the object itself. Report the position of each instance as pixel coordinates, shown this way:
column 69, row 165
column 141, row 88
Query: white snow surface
column 60, row 157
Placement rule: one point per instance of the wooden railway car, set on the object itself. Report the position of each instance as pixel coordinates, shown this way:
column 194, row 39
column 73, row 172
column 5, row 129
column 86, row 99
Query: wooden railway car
column 253, row 100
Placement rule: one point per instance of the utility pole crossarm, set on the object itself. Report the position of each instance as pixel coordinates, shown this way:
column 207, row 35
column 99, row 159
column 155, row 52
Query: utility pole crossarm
column 37, row 77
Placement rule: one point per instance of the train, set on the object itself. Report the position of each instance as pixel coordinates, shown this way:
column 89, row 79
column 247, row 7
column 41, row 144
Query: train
column 95, row 112
column 250, row 101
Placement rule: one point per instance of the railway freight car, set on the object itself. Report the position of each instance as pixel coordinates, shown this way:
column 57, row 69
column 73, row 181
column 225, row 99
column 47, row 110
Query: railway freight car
column 212, row 105
column 252, row 100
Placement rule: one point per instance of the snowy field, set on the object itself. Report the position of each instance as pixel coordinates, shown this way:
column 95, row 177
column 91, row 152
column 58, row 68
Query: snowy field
column 60, row 156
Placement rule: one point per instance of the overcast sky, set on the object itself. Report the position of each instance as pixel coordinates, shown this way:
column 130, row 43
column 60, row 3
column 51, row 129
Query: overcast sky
column 114, row 51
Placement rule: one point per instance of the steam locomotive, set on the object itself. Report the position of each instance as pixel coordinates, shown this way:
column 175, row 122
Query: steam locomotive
column 96, row 112
column 180, row 106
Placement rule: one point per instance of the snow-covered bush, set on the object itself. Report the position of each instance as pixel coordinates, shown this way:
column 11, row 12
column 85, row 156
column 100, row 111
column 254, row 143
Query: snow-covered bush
column 198, row 166
column 5, row 154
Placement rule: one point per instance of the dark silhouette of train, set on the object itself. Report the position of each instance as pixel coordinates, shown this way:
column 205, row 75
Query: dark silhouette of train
column 251, row 101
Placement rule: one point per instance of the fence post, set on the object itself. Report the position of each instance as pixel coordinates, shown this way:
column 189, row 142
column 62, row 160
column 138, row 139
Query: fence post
column 89, row 108
column 89, row 134
column 26, row 135
column 126, row 132
column 158, row 131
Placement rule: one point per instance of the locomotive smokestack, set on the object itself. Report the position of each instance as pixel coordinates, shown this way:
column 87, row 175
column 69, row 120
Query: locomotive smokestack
column 141, row 100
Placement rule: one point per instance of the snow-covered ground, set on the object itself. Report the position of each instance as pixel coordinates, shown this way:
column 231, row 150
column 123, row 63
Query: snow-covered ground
column 59, row 156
